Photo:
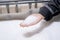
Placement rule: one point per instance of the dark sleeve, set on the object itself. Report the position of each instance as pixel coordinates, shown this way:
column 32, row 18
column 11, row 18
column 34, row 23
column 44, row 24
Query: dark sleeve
column 49, row 10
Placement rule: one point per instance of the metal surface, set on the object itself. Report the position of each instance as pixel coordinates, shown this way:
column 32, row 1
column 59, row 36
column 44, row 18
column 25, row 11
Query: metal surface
column 20, row 2
column 7, row 3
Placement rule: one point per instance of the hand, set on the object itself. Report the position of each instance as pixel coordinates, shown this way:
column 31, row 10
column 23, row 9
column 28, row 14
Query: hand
column 32, row 20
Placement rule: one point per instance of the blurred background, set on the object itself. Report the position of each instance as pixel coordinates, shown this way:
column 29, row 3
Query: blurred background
column 16, row 8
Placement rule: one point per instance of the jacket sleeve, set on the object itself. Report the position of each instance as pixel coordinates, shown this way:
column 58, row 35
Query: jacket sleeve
column 49, row 10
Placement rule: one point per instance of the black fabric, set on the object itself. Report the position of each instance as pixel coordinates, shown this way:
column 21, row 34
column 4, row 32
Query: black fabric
column 57, row 2
column 55, row 6
column 46, row 13
column 55, row 9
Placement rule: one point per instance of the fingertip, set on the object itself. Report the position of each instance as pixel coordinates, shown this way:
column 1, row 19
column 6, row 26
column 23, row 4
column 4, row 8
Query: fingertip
column 23, row 25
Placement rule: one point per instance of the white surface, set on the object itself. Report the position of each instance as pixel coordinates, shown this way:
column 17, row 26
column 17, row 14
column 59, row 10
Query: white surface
column 11, row 30
column 28, row 31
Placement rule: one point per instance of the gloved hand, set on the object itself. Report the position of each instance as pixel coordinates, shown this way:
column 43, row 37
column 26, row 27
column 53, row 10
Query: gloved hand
column 32, row 20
